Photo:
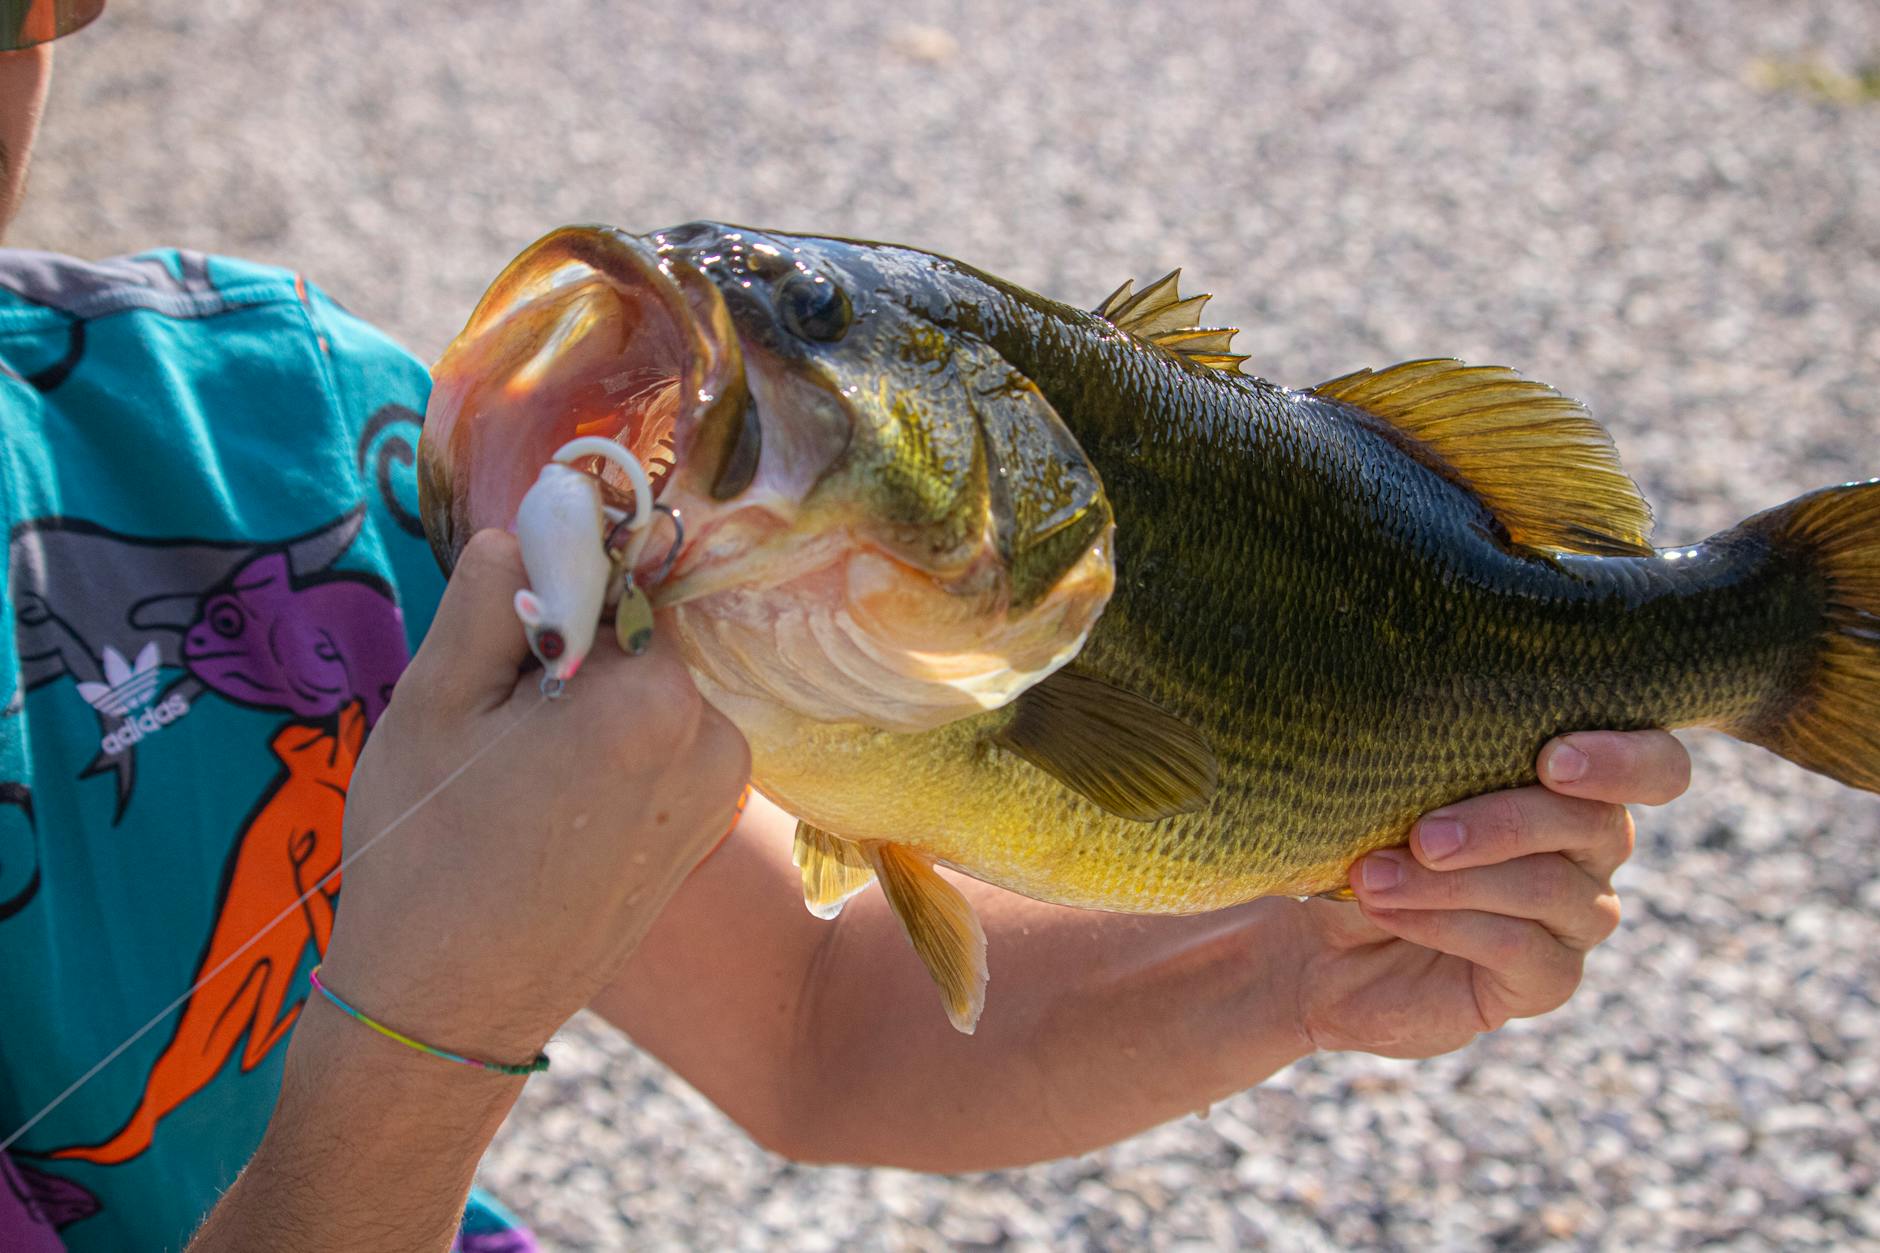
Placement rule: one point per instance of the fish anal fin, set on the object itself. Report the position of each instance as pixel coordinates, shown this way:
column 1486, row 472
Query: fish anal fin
column 941, row 925
column 1538, row 461
column 833, row 869
column 1160, row 314
column 1111, row 746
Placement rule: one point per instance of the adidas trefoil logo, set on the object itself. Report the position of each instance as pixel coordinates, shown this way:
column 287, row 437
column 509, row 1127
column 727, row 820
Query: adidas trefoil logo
column 126, row 693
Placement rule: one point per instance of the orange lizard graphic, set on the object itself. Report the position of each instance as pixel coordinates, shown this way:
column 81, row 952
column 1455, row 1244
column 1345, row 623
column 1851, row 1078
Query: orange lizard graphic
column 293, row 839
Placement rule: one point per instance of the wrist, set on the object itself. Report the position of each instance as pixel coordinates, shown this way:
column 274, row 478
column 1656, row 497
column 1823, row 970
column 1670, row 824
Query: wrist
column 515, row 1069
column 345, row 1084
column 433, row 1007
column 370, row 1144
column 1299, row 942
column 329, row 1048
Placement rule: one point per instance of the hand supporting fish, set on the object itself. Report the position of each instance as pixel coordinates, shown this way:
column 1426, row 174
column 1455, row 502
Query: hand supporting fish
column 1065, row 601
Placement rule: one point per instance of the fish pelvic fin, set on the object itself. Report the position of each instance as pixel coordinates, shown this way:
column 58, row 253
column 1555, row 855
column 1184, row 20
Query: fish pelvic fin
column 1538, row 461
column 1832, row 724
column 1158, row 314
column 942, row 926
column 1114, row 748
column 833, row 869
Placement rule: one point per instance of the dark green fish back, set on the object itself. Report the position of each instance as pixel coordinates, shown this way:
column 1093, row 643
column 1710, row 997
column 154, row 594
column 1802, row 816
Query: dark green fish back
column 1355, row 632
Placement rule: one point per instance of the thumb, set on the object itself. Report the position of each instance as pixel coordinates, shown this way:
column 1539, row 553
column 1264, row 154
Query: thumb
column 476, row 646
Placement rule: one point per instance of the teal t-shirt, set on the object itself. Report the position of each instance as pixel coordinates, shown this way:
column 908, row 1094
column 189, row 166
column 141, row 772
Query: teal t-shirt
column 214, row 573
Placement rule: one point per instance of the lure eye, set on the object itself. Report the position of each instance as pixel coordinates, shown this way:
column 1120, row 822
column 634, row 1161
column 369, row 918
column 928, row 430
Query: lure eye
column 814, row 308
column 549, row 645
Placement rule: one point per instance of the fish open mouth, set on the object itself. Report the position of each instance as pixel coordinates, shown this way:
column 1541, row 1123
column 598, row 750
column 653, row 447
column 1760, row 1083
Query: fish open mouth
column 800, row 586
column 590, row 331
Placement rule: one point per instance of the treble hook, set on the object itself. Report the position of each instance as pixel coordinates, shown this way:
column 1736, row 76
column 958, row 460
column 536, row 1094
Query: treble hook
column 618, row 535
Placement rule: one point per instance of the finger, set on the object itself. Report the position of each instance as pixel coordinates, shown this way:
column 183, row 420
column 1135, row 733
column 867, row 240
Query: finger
column 476, row 644
column 1521, row 967
column 1578, row 910
column 1625, row 767
column 1502, row 826
column 652, row 680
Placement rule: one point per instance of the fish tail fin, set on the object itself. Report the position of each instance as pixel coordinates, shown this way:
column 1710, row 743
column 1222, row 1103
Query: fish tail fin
column 1832, row 722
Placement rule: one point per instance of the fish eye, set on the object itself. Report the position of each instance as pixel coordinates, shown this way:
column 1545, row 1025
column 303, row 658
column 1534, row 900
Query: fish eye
column 814, row 308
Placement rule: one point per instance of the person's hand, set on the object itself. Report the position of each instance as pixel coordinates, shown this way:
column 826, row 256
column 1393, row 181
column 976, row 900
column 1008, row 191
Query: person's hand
column 1448, row 940
column 508, row 899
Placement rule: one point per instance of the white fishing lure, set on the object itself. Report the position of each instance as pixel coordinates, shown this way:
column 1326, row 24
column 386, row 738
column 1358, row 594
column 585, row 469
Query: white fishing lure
column 562, row 527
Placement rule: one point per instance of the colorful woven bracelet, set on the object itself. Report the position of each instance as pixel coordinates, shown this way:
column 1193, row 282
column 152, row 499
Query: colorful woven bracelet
column 540, row 1062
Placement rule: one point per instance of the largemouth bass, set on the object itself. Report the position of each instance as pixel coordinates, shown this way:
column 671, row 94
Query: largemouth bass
column 1066, row 601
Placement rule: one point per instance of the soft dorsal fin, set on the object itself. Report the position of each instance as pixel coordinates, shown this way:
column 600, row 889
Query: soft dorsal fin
column 833, row 869
column 1158, row 314
column 941, row 925
column 1537, row 459
column 1112, row 747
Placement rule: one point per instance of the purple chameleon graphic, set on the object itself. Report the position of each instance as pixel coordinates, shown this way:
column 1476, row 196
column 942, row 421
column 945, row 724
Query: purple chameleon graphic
column 310, row 646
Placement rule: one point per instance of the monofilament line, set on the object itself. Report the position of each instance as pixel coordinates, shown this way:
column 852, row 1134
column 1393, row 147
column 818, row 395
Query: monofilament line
column 304, row 897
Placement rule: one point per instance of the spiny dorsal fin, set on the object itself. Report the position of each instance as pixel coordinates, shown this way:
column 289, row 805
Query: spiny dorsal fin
column 1112, row 747
column 941, row 925
column 1158, row 314
column 833, row 869
column 1537, row 459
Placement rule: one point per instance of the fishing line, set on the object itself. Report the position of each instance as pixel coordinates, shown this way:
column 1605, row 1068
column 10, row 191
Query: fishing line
column 319, row 884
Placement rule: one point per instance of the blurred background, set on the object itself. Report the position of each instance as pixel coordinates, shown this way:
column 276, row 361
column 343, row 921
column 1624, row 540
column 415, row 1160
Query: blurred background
column 1669, row 210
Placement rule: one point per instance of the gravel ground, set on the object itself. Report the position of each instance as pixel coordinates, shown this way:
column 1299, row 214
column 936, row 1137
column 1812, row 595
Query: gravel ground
column 1613, row 196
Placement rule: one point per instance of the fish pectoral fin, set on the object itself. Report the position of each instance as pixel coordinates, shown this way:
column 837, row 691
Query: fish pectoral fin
column 833, row 869
column 941, row 925
column 1158, row 314
column 1113, row 747
column 1536, row 459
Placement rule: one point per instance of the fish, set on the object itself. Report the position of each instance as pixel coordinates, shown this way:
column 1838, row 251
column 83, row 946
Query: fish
column 1068, row 601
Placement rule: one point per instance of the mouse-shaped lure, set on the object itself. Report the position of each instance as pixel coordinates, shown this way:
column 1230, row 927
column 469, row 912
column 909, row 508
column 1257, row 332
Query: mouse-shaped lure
column 565, row 531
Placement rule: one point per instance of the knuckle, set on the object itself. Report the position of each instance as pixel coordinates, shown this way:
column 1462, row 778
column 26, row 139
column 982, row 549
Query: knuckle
column 1625, row 833
column 491, row 549
column 1606, row 917
column 1510, row 945
column 1680, row 774
column 1446, row 890
column 1542, row 883
column 1557, row 988
column 1505, row 822
column 739, row 755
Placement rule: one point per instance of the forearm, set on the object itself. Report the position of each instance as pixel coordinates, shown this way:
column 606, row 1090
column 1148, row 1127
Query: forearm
column 372, row 1145
column 826, row 1040
column 1096, row 1027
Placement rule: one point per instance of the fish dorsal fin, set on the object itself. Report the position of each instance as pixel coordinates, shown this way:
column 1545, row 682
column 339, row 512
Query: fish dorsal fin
column 1539, row 462
column 942, row 926
column 1113, row 747
column 833, row 869
column 1158, row 314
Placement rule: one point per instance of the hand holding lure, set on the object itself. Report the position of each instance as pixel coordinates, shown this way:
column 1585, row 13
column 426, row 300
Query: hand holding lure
column 580, row 555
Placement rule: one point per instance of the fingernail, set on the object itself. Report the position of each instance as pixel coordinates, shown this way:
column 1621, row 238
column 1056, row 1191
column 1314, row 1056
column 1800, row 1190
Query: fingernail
column 1565, row 764
column 1382, row 871
column 1439, row 837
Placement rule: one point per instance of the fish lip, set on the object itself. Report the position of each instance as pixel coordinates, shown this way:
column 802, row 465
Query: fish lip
column 471, row 477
